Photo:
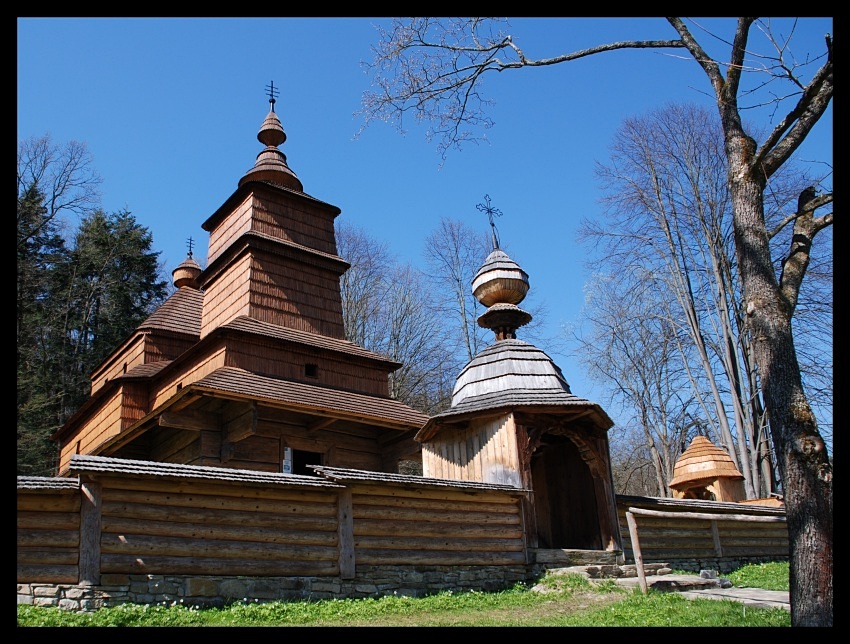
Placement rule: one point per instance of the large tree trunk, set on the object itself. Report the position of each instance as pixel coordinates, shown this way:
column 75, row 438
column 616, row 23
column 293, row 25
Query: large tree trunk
column 800, row 451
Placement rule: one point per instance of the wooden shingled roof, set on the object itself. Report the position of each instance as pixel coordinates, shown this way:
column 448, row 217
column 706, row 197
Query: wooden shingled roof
column 250, row 325
column 108, row 465
column 703, row 460
column 346, row 475
column 180, row 313
column 321, row 400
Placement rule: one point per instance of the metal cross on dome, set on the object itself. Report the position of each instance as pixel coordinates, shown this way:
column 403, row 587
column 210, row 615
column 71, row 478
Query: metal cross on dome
column 273, row 93
column 491, row 212
column 190, row 244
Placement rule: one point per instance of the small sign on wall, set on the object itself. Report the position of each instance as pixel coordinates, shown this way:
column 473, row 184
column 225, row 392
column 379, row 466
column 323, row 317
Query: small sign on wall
column 287, row 460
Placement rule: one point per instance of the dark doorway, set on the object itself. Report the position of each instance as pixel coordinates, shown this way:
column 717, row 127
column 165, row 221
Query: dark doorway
column 564, row 497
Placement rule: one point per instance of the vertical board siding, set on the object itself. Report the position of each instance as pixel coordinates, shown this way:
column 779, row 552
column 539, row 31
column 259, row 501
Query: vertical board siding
column 192, row 372
column 48, row 537
column 103, row 425
column 485, row 452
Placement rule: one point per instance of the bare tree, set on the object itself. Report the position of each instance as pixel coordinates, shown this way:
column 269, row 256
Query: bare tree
column 669, row 212
column 454, row 252
column 433, row 67
column 362, row 286
column 387, row 308
column 65, row 176
column 627, row 344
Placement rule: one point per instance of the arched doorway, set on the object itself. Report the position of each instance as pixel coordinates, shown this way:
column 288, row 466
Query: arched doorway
column 564, row 496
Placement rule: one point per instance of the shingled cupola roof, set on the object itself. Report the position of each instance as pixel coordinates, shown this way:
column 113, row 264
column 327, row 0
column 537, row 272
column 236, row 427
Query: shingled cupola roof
column 271, row 162
column 186, row 274
column 703, row 460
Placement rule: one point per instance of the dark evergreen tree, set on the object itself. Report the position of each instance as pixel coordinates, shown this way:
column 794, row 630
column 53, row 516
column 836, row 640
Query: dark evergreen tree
column 40, row 249
column 114, row 282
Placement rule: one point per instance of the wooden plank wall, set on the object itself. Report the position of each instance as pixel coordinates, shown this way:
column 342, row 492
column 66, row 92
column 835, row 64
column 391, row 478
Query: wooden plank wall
column 217, row 528
column 421, row 526
column 486, row 451
column 48, row 536
column 668, row 540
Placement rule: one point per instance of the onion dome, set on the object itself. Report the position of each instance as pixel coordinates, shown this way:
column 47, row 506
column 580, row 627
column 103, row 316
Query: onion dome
column 500, row 285
column 500, row 280
column 186, row 274
column 703, row 460
column 271, row 162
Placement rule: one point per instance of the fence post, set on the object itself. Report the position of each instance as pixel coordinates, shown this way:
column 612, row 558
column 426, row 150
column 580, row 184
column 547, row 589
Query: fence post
column 633, row 534
column 90, row 526
column 345, row 532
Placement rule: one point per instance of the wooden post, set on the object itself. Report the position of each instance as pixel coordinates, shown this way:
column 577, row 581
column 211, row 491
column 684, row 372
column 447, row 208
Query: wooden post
column 715, row 534
column 633, row 534
column 90, row 525
column 345, row 531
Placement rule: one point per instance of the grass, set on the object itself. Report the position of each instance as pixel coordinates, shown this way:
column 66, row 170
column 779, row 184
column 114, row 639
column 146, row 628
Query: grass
column 562, row 600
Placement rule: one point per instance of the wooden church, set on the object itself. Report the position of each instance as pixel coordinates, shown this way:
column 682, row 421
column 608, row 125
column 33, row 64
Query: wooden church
column 246, row 366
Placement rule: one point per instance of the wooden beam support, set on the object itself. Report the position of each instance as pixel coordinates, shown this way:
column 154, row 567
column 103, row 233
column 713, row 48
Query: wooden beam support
column 321, row 423
column 190, row 420
column 239, row 422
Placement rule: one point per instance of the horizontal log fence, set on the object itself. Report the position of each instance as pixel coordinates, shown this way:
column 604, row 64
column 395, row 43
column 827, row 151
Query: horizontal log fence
column 712, row 518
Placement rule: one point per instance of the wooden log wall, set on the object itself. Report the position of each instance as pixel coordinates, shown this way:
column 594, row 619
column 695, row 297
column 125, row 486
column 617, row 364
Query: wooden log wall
column 665, row 539
column 217, row 528
column 421, row 526
column 48, row 536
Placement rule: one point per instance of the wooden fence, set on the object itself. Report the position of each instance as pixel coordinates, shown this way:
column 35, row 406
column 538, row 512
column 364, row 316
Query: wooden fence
column 682, row 532
column 131, row 517
column 122, row 517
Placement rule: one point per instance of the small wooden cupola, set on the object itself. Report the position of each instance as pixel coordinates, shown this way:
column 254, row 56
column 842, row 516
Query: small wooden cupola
column 704, row 471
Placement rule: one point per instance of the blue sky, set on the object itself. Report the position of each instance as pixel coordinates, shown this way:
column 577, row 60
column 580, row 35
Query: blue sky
column 170, row 108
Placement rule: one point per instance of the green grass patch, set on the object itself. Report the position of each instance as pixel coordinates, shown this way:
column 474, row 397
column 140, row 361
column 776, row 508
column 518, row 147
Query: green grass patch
column 557, row 600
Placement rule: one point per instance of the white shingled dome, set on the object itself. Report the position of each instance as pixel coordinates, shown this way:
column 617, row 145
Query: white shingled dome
column 509, row 365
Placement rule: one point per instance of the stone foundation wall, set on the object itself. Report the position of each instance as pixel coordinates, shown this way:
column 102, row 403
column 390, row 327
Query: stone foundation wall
column 720, row 564
column 210, row 591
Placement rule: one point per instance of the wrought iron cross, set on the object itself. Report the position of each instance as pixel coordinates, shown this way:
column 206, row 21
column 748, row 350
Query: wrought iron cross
column 491, row 212
column 273, row 92
column 190, row 244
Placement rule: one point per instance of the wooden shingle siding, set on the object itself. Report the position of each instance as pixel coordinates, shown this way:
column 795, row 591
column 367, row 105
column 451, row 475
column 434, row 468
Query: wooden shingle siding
column 134, row 355
column 300, row 222
column 227, row 297
column 230, row 228
column 337, row 370
column 291, row 293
